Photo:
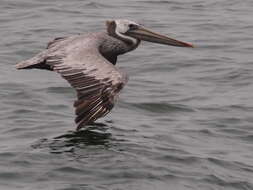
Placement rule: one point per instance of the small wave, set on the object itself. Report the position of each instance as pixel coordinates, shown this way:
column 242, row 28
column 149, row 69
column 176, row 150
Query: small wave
column 162, row 107
column 96, row 5
column 163, row 2
column 68, row 169
column 181, row 159
column 248, row 138
column 217, row 180
column 59, row 90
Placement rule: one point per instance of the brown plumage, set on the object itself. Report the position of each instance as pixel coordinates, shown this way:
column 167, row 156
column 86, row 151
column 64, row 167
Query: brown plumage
column 87, row 63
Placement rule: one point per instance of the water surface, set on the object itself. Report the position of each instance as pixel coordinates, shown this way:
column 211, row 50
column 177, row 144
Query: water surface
column 184, row 121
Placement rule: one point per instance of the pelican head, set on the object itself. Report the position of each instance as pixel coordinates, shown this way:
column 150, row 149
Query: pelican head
column 132, row 33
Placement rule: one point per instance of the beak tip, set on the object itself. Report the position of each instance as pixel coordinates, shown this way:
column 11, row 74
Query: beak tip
column 189, row 45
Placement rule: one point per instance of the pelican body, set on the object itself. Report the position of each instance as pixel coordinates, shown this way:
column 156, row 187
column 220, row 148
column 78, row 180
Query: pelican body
column 87, row 62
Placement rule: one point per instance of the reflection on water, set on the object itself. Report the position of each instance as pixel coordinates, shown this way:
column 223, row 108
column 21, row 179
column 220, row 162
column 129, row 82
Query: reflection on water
column 94, row 135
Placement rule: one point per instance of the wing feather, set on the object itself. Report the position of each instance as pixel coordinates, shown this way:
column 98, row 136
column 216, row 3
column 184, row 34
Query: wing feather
column 96, row 80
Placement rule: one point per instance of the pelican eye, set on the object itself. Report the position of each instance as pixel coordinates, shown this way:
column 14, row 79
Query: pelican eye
column 132, row 27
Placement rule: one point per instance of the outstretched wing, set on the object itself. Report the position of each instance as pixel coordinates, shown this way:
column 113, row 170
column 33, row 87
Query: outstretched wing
column 96, row 81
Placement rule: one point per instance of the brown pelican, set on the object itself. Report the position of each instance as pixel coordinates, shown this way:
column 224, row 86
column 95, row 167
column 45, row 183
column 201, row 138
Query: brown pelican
column 87, row 62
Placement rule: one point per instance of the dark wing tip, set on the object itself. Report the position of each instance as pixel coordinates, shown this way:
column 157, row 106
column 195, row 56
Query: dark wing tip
column 89, row 110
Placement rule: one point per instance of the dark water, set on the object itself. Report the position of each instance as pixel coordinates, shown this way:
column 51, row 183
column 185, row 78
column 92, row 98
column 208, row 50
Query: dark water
column 184, row 121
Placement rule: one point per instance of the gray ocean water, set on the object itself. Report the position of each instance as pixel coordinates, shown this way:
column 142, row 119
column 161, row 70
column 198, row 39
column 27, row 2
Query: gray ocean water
column 183, row 122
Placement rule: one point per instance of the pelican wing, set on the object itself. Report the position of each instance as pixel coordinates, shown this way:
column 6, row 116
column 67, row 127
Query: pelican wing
column 96, row 81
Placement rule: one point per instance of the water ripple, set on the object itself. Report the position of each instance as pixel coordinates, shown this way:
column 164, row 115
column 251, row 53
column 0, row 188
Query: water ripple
column 162, row 107
column 184, row 120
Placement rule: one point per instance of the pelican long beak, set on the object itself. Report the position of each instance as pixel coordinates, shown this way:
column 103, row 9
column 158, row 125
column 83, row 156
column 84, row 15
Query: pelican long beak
column 147, row 35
